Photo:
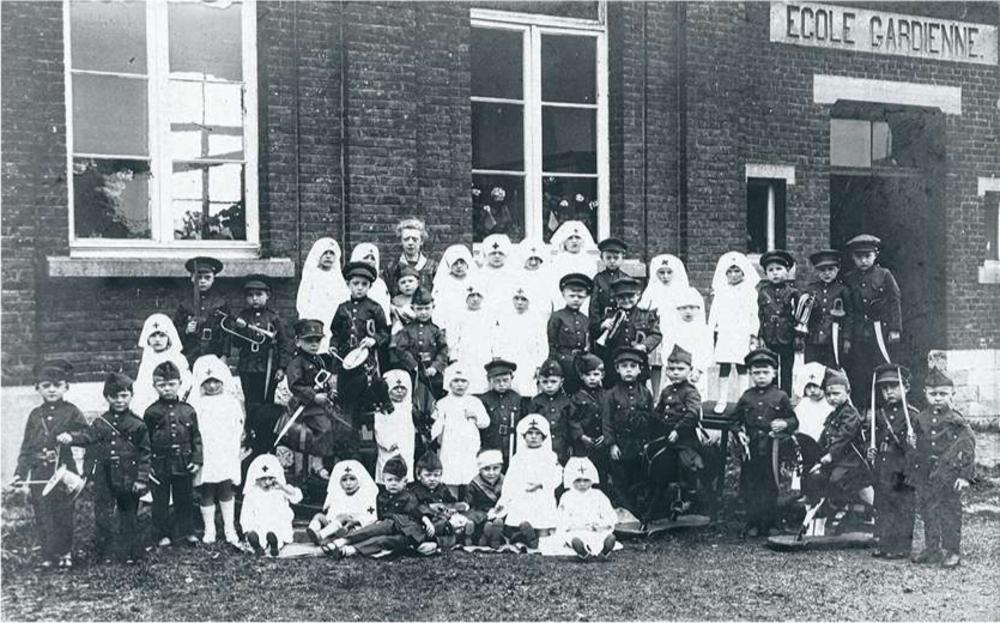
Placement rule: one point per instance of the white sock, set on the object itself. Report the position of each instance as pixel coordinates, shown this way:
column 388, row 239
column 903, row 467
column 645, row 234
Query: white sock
column 228, row 517
column 208, row 516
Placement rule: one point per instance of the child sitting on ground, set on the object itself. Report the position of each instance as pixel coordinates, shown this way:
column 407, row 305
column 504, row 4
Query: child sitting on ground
column 159, row 342
column 458, row 418
column 813, row 408
column 585, row 518
column 482, row 496
column 395, row 433
column 528, row 503
column 439, row 503
column 266, row 515
column 349, row 504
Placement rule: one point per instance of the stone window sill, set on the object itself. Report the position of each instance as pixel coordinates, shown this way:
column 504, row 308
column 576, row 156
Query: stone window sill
column 72, row 267
column 989, row 272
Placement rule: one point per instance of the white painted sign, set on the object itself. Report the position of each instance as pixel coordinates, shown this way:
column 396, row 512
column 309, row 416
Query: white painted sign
column 879, row 32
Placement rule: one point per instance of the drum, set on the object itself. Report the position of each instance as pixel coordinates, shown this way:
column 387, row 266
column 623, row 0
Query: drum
column 355, row 358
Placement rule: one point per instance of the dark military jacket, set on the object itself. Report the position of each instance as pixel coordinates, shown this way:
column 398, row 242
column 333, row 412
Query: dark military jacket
column 301, row 376
column 118, row 450
column 426, row 496
column 174, row 437
column 640, row 327
column 425, row 341
column 403, row 510
column 627, row 411
column 481, row 496
column 557, row 409
column 946, row 448
column 843, row 438
column 505, row 411
column 585, row 419
column 776, row 310
column 890, row 436
column 40, row 454
column 208, row 338
column 567, row 332
column 679, row 409
column 873, row 295
column 820, row 320
column 600, row 298
column 350, row 325
column 253, row 358
column 426, row 274
column 756, row 409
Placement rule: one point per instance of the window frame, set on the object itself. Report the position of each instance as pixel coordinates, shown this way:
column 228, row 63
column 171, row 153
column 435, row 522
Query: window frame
column 774, row 208
column 533, row 27
column 157, row 76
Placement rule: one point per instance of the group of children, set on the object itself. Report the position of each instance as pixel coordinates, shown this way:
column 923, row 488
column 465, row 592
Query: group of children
column 510, row 399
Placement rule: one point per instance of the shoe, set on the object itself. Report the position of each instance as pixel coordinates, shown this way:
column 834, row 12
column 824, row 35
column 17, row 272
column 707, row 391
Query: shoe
column 877, row 553
column 164, row 542
column 232, row 538
column 66, row 562
column 254, row 540
column 129, row 561
column 493, row 535
column 427, row 549
column 46, row 564
column 609, row 545
column 272, row 543
column 753, row 532
column 951, row 560
column 893, row 555
column 527, row 535
column 193, row 540
column 579, row 548
column 332, row 551
column 208, row 538
column 928, row 556
column 720, row 407
column 314, row 536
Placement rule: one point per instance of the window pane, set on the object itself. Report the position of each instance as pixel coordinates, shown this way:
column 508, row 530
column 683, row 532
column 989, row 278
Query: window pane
column 208, row 201
column 108, row 36
column 497, row 206
column 569, row 140
column 109, row 115
column 496, row 63
column 111, row 198
column 850, row 143
column 569, row 69
column 205, row 41
column 206, row 120
column 497, row 136
column 569, row 199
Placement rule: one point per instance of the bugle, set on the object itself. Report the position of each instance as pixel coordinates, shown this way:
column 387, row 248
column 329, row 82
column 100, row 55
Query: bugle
column 237, row 326
column 612, row 331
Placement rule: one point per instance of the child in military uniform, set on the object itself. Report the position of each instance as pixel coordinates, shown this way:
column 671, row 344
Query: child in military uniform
column 763, row 411
column 776, row 302
column 895, row 429
column 42, row 453
column 585, row 426
column 423, row 341
column 828, row 319
column 482, row 496
column 201, row 332
column 439, row 502
column 678, row 413
column 118, row 460
column 613, row 252
column 626, row 411
column 266, row 349
column 505, row 407
column 567, row 328
column 944, row 463
column 627, row 326
column 176, row 456
column 401, row 309
column 555, row 405
column 876, row 314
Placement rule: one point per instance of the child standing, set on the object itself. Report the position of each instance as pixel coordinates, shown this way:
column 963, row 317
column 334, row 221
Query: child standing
column 42, row 454
column 585, row 426
column 482, row 496
column 407, row 282
column 266, row 516
column 175, row 440
column 520, row 335
column 202, row 333
column 359, row 322
column 322, row 286
column 667, row 279
column 568, row 328
column 829, row 308
column 762, row 410
column 575, row 253
column 117, row 460
column 378, row 291
column 813, row 409
column 776, row 304
column 440, row 503
column 159, row 342
column 424, row 342
column 262, row 358
column 458, row 418
column 350, row 503
column 613, row 252
column 497, row 274
column 534, row 274
column 692, row 334
column 626, row 412
column 554, row 404
column 944, row 463
column 733, row 319
column 505, row 407
column 395, row 433
column 586, row 519
column 678, row 412
column 221, row 427
column 456, row 270
column 627, row 327
column 468, row 340
column 528, row 502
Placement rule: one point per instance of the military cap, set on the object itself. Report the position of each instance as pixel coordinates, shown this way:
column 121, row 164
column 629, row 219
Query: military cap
column 395, row 466
column 167, row 371
column 308, row 328
column 612, row 244
column 588, row 362
column 864, row 242
column 203, row 263
column 407, row 271
column 936, row 378
column 116, row 382
column 679, row 355
column 826, row 257
column 891, row 373
column 53, row 371
column 550, row 367
column 256, row 282
column 625, row 285
column 360, row 269
column 777, row 257
column 429, row 461
column 833, row 377
column 422, row 296
column 576, row 280
column 499, row 366
column 761, row 356
column 627, row 353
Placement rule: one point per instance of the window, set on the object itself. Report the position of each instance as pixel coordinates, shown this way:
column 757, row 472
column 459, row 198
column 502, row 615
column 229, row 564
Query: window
column 873, row 136
column 161, row 111
column 992, row 206
column 539, row 124
column 765, row 214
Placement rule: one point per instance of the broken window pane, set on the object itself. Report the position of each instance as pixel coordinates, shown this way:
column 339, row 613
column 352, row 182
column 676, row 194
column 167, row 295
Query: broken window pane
column 108, row 36
column 208, row 201
column 497, row 206
column 111, row 198
column 206, row 40
column 109, row 115
column 206, row 120
column 850, row 143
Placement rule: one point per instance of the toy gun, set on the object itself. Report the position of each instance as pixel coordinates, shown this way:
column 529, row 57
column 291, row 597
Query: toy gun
column 319, row 383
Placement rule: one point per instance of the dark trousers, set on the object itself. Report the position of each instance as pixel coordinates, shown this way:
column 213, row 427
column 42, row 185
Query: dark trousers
column 895, row 504
column 54, row 520
column 626, row 473
column 822, row 353
column 376, row 537
column 760, row 495
column 786, row 361
column 253, row 389
column 183, row 523
column 865, row 356
column 106, row 502
column 941, row 510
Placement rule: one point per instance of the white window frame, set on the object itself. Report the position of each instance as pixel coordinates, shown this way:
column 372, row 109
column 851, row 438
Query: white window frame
column 532, row 27
column 161, row 243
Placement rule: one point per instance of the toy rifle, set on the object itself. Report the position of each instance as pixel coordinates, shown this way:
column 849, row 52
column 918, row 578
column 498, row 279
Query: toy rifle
column 322, row 377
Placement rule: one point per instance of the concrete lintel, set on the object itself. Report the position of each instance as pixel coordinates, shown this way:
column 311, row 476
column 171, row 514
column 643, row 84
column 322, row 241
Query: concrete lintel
column 67, row 267
column 771, row 171
column 987, row 185
column 829, row 89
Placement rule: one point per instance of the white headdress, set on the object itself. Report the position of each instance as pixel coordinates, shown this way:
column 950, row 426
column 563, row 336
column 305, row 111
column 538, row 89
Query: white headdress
column 321, row 291
column 367, row 491
column 456, row 371
column 450, row 255
column 262, row 466
column 734, row 258
column 486, row 458
column 363, row 249
column 528, row 249
column 658, row 294
column 690, row 297
column 579, row 467
column 811, row 372
column 536, row 421
column 211, row 367
column 160, row 323
column 573, row 228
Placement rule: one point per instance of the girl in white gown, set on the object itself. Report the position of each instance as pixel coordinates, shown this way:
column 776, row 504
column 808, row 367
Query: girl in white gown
column 266, row 516
column 469, row 338
column 322, row 287
column 733, row 317
column 455, row 272
column 530, row 484
column 691, row 333
column 585, row 518
column 350, row 503
column 534, row 273
column 159, row 342
column 667, row 278
column 519, row 336
column 458, row 418
column 497, row 272
column 576, row 252
column 395, row 433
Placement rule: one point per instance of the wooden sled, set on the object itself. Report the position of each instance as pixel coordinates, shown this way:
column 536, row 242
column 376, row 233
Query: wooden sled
column 629, row 526
column 847, row 540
